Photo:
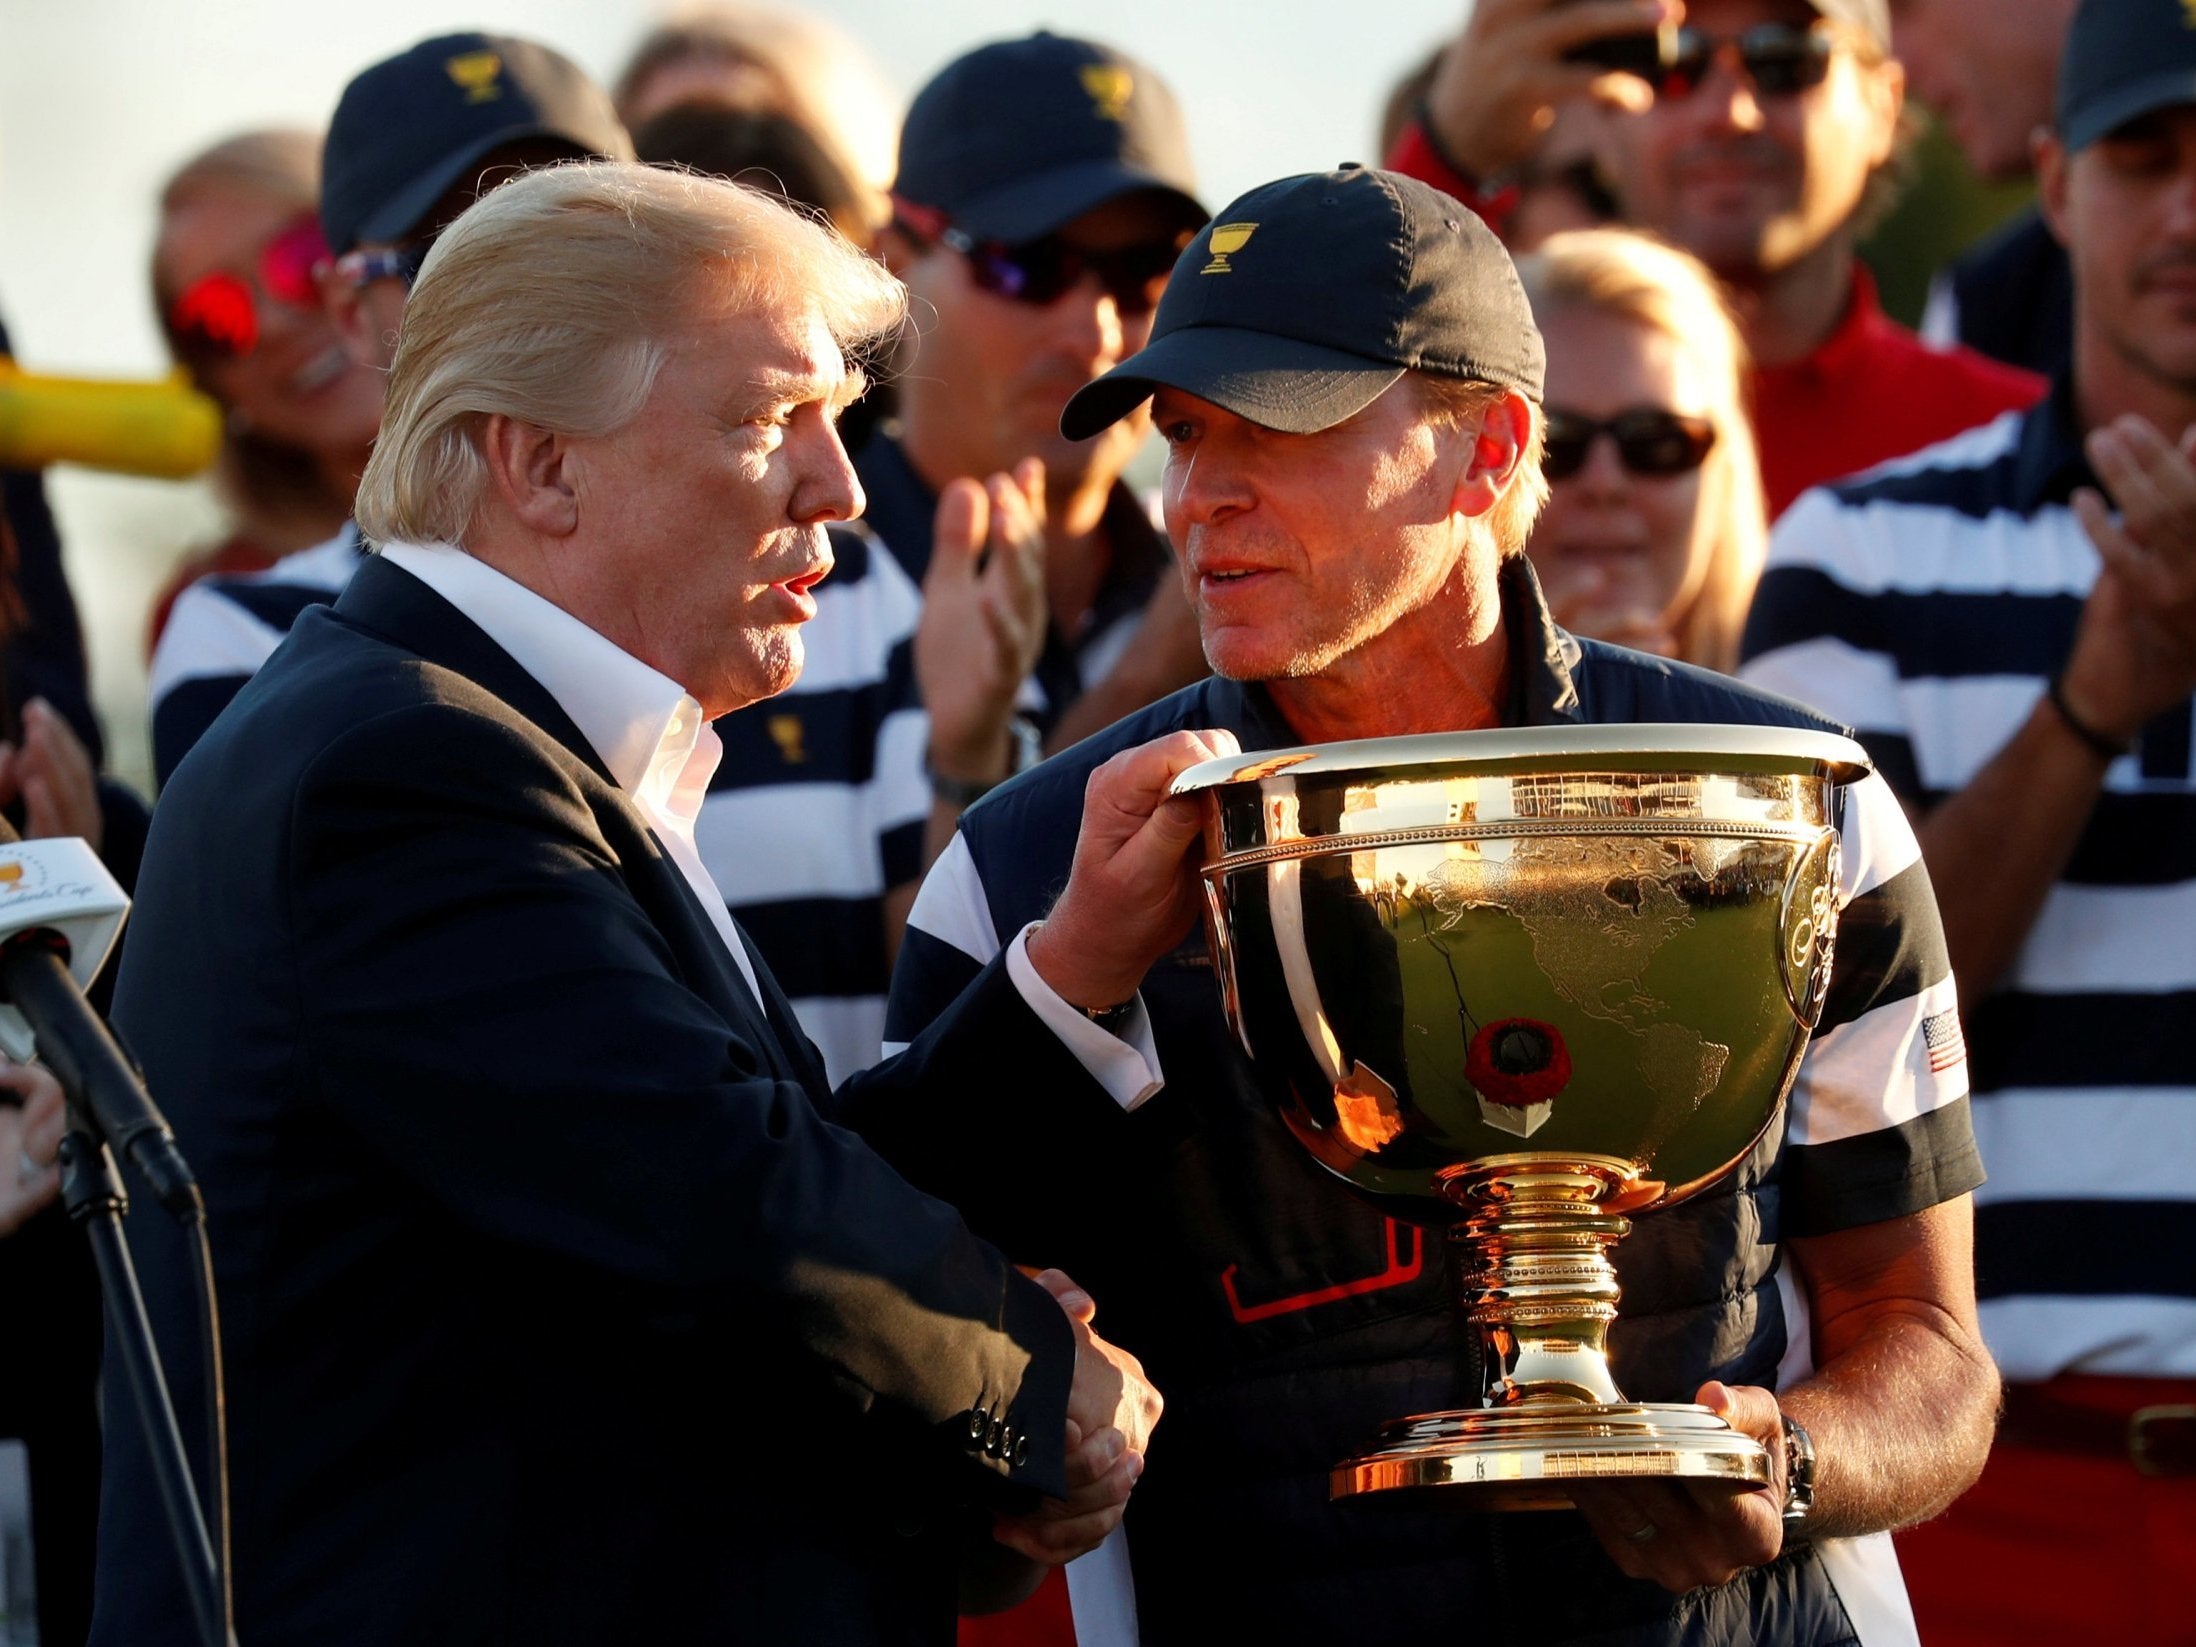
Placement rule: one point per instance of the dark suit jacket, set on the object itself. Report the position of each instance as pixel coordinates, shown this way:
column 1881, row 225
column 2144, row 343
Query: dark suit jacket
column 555, row 1308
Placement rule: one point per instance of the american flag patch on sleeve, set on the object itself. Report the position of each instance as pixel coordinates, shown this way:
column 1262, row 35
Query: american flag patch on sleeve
column 1947, row 1045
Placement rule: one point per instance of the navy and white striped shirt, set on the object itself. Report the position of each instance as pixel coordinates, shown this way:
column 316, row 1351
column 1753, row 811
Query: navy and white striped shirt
column 815, row 813
column 1928, row 602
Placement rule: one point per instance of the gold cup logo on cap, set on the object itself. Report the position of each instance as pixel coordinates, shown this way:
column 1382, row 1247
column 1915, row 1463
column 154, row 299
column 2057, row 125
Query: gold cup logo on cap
column 476, row 71
column 1227, row 239
column 1110, row 86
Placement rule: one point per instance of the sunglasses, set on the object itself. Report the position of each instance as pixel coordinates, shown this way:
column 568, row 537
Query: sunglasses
column 1040, row 272
column 216, row 317
column 1780, row 59
column 1649, row 441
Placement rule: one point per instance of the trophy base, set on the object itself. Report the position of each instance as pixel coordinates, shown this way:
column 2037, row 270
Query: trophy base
column 1526, row 1457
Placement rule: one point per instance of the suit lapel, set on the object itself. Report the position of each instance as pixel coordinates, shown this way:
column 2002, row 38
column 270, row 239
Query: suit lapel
column 386, row 599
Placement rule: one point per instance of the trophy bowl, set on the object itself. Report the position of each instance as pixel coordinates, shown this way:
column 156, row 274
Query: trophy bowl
column 1521, row 984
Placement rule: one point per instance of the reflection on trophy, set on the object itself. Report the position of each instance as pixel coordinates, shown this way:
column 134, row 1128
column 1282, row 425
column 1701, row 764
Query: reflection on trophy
column 1522, row 984
column 1226, row 238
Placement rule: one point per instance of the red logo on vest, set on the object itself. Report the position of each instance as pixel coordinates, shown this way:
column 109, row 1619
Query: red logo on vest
column 1400, row 1271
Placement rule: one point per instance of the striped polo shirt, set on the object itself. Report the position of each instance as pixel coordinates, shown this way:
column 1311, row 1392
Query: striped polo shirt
column 1928, row 602
column 816, row 811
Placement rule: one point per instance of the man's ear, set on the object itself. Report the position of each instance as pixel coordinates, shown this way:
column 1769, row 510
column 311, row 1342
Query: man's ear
column 2051, row 162
column 530, row 472
column 1497, row 448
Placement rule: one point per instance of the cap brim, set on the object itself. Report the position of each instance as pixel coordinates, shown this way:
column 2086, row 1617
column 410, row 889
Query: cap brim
column 1277, row 382
column 1033, row 206
column 403, row 212
column 2164, row 90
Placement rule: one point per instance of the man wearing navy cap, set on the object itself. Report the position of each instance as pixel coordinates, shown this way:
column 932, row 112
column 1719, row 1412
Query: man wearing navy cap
column 1044, row 189
column 2010, row 620
column 1347, row 377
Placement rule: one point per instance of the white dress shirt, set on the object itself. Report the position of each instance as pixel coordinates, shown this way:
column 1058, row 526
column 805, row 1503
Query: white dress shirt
column 643, row 726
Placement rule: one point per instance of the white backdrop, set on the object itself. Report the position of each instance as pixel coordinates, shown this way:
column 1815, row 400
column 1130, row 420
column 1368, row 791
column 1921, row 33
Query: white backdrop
column 100, row 98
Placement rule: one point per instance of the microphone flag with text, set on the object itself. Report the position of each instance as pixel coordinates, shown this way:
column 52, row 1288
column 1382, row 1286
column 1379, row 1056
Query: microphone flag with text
column 60, row 912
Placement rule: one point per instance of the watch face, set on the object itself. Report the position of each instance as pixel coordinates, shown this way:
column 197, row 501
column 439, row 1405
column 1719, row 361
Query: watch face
column 1799, row 1469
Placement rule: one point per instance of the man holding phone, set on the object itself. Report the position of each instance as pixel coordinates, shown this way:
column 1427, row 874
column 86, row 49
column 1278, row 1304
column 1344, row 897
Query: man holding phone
column 1757, row 137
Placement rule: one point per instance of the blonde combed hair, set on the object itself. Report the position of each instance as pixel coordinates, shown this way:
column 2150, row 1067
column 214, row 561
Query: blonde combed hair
column 553, row 301
column 1638, row 278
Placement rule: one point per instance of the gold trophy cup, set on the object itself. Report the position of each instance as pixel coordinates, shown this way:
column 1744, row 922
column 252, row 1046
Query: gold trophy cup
column 1522, row 984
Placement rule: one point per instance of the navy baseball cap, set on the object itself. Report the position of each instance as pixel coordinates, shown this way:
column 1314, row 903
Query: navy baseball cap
column 1304, row 300
column 408, row 128
column 1015, row 139
column 2123, row 59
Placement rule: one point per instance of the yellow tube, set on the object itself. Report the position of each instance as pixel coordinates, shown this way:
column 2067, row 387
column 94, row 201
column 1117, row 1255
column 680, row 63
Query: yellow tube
column 164, row 428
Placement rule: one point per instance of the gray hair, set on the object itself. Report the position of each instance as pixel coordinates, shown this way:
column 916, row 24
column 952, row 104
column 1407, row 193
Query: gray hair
column 552, row 302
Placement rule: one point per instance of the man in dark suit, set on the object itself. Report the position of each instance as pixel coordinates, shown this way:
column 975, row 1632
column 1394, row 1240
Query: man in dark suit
column 555, row 1307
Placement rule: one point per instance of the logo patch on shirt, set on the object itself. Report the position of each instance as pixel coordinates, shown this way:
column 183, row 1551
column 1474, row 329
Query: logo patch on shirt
column 1947, row 1044
column 1400, row 1271
column 786, row 733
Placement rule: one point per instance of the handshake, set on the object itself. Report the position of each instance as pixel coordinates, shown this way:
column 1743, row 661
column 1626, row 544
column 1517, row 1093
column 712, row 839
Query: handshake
column 1110, row 1414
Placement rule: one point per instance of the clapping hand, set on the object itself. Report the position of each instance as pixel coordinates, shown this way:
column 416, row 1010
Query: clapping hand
column 50, row 771
column 983, row 621
column 2135, row 650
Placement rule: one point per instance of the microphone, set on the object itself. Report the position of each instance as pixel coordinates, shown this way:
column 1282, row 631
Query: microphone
column 60, row 911
column 163, row 428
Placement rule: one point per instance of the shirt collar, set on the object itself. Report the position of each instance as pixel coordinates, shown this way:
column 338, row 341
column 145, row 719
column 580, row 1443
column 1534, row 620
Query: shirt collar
column 647, row 730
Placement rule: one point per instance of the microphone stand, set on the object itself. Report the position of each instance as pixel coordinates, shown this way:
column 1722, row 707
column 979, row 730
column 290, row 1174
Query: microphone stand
column 107, row 1101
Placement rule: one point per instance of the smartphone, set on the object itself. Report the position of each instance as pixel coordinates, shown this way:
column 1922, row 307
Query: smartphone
column 1644, row 55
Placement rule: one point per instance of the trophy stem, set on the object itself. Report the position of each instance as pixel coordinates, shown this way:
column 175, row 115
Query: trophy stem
column 1536, row 1278
column 1537, row 1281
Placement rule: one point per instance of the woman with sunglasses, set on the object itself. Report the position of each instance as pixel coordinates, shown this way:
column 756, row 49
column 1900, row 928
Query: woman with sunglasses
column 1654, row 532
column 235, row 279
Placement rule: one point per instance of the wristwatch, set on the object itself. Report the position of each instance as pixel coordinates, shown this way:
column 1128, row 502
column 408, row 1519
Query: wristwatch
column 1799, row 1474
